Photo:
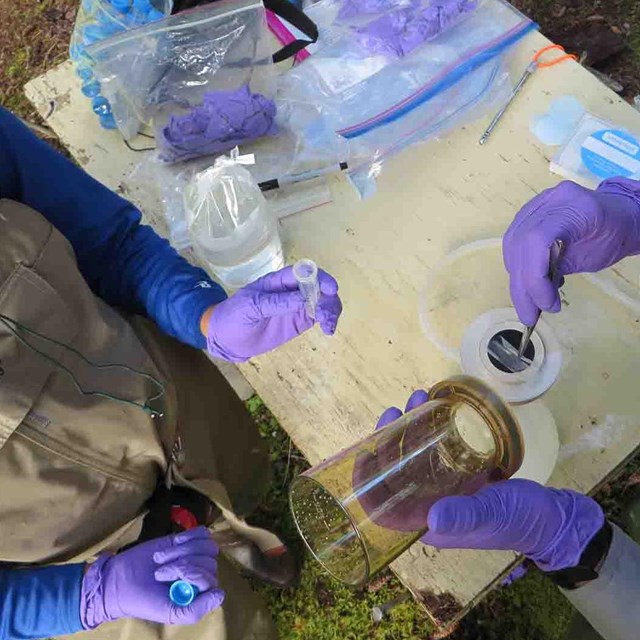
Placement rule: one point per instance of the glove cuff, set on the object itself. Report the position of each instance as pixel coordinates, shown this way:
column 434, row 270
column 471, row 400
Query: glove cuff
column 581, row 518
column 629, row 189
column 217, row 351
column 93, row 611
column 590, row 562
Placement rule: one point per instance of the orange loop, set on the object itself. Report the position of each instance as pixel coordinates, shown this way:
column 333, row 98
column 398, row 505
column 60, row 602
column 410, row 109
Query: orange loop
column 554, row 61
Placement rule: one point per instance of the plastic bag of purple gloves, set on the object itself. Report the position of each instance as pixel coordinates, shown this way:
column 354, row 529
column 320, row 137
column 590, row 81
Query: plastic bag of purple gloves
column 202, row 79
column 223, row 121
column 398, row 32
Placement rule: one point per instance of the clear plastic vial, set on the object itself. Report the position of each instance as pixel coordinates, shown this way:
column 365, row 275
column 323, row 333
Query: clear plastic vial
column 306, row 275
column 362, row 508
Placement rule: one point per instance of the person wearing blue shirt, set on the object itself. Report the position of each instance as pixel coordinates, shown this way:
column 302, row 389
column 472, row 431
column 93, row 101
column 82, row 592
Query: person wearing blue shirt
column 106, row 400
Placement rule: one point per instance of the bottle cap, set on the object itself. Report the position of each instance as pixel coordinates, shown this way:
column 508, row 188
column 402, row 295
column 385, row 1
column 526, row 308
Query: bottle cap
column 182, row 593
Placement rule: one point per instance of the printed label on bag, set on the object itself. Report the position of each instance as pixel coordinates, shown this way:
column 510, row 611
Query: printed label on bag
column 609, row 153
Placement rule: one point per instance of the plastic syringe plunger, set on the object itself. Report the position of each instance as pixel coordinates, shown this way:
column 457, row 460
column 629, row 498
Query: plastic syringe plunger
column 306, row 274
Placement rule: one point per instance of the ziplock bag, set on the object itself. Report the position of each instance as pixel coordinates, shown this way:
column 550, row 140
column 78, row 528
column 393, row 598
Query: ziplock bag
column 304, row 31
column 299, row 190
column 203, row 79
column 101, row 19
column 381, row 102
column 232, row 229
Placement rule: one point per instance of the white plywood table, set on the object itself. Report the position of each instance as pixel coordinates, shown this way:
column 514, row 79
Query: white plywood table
column 328, row 393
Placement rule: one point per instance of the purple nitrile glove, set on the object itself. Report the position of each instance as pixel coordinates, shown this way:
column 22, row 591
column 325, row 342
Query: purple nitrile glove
column 418, row 397
column 400, row 513
column 598, row 228
column 397, row 33
column 552, row 527
column 224, row 120
column 350, row 8
column 135, row 583
column 267, row 313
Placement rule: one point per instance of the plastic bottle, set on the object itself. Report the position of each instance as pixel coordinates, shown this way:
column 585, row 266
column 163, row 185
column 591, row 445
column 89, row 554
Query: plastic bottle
column 231, row 227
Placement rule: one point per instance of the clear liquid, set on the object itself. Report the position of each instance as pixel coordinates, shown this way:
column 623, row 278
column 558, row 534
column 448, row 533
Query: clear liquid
column 265, row 260
column 249, row 252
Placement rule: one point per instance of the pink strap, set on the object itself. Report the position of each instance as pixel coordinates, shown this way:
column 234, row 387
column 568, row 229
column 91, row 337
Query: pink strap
column 285, row 36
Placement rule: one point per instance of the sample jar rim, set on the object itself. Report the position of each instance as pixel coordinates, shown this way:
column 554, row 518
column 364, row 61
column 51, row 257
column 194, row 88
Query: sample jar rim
column 363, row 547
column 500, row 419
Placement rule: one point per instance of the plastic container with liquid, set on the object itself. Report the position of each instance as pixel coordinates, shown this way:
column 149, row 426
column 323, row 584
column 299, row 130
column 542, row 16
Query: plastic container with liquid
column 231, row 227
column 360, row 509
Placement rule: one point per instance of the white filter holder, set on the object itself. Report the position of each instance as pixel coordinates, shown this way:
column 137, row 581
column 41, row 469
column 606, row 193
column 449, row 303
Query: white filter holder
column 516, row 387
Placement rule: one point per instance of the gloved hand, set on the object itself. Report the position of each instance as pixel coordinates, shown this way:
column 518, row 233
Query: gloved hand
column 401, row 513
column 418, row 397
column 552, row 527
column 267, row 313
column 598, row 228
column 135, row 583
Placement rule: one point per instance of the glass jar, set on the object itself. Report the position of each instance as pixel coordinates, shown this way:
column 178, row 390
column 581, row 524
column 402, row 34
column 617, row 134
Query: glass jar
column 360, row 509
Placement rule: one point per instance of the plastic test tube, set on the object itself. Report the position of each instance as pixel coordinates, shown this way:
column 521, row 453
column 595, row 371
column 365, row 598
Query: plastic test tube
column 305, row 272
column 182, row 593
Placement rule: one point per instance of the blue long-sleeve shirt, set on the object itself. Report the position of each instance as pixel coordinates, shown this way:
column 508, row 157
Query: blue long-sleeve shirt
column 125, row 263
column 128, row 265
column 40, row 603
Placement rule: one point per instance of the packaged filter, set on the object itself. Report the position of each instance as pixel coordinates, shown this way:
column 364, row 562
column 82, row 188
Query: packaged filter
column 598, row 150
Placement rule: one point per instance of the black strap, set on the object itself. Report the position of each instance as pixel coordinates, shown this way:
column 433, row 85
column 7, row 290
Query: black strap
column 283, row 9
column 300, row 20
column 158, row 523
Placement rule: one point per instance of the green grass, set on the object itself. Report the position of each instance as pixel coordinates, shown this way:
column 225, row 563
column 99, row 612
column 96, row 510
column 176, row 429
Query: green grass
column 34, row 36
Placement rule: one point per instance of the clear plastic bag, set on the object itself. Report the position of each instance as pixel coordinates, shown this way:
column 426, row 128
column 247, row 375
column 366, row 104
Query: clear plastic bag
column 381, row 102
column 99, row 20
column 482, row 92
column 232, row 229
column 165, row 185
column 203, row 79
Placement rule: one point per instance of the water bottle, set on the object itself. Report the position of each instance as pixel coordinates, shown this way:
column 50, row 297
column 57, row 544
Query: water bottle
column 230, row 225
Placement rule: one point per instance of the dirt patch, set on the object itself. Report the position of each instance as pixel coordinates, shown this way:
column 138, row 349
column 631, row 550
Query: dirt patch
column 34, row 36
column 324, row 594
column 443, row 606
column 604, row 33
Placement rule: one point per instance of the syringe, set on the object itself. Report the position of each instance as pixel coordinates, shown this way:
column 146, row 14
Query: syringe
column 305, row 272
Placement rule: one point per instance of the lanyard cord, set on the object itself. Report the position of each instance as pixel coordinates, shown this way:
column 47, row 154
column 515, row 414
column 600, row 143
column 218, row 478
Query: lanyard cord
column 15, row 327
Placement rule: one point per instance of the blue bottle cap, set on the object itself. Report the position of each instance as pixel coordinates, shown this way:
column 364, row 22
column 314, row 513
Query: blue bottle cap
column 121, row 5
column 142, row 6
column 92, row 33
column 101, row 106
column 76, row 51
column 182, row 593
column 111, row 28
column 91, row 89
column 107, row 121
column 154, row 14
column 84, row 73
